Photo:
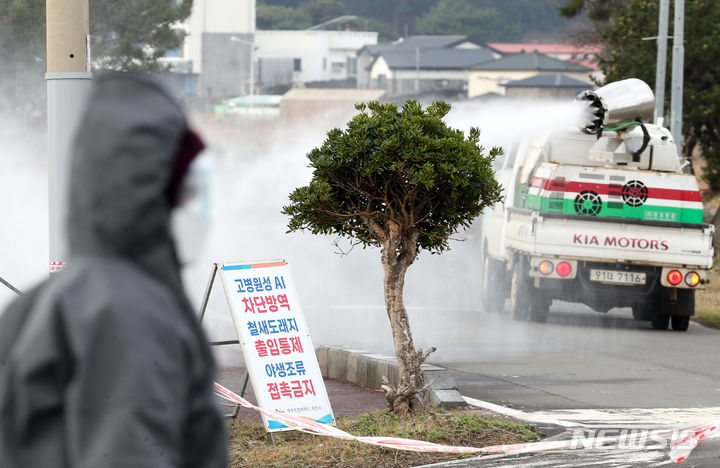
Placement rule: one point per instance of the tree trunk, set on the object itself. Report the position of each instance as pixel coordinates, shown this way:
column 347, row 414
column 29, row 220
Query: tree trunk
column 398, row 254
column 716, row 222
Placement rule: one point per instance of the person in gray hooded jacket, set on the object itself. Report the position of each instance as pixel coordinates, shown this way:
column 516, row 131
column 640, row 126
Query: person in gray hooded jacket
column 105, row 364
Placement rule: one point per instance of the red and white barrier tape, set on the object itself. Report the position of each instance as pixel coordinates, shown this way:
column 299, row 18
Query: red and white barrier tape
column 682, row 448
column 678, row 453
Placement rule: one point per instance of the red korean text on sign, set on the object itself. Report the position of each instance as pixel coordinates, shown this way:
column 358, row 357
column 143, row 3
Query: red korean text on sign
column 278, row 346
column 264, row 304
column 290, row 389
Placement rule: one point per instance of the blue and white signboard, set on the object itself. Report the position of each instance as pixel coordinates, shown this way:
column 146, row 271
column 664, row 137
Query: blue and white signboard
column 275, row 341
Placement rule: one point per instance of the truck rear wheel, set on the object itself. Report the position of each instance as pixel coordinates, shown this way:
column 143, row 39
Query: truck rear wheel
column 685, row 304
column 681, row 311
column 540, row 307
column 641, row 312
column 519, row 297
column 680, row 322
column 493, row 292
column 660, row 321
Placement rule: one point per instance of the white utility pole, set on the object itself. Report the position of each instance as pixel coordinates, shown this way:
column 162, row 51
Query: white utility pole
column 68, row 80
column 676, row 96
column 662, row 38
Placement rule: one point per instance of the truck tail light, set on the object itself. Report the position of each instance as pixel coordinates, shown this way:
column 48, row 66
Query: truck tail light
column 692, row 279
column 675, row 277
column 545, row 267
column 563, row 268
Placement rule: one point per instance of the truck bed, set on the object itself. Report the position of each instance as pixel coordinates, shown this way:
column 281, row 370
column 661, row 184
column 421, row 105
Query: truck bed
column 609, row 239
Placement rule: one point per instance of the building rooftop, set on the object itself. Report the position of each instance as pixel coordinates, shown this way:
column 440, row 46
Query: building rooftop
column 530, row 61
column 556, row 80
column 418, row 42
column 581, row 54
column 430, row 42
column 435, row 59
column 375, row 49
column 548, row 49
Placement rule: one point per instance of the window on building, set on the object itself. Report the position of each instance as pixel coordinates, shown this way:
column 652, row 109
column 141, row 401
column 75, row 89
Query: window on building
column 381, row 82
column 297, row 65
column 338, row 67
column 324, row 63
column 352, row 66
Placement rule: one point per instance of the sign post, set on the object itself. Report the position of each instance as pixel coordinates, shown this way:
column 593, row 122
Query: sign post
column 275, row 340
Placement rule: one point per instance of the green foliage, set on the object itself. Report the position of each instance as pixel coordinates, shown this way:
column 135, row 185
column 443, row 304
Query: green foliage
column 453, row 428
column 387, row 18
column 572, row 8
column 464, row 17
column 597, row 10
column 706, row 300
column 249, row 445
column 126, row 35
column 320, row 11
column 296, row 14
column 280, row 17
column 131, row 35
column 629, row 56
column 482, row 20
column 22, row 55
column 488, row 20
column 403, row 168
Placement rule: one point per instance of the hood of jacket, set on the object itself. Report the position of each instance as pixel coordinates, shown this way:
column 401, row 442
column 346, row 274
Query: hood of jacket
column 123, row 161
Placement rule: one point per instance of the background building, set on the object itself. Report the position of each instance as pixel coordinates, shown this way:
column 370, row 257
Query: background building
column 425, row 71
column 490, row 76
column 551, row 86
column 229, row 58
column 420, row 64
column 218, row 47
column 310, row 57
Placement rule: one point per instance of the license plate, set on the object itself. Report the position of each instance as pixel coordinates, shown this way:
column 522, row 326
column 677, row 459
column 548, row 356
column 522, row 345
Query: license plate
column 617, row 277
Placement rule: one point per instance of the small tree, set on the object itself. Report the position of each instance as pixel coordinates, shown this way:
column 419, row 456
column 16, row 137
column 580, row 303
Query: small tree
column 403, row 181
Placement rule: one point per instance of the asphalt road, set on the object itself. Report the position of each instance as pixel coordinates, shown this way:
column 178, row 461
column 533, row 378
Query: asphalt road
column 588, row 370
column 583, row 359
column 578, row 359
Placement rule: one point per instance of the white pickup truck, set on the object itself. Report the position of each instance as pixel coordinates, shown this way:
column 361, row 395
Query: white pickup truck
column 608, row 221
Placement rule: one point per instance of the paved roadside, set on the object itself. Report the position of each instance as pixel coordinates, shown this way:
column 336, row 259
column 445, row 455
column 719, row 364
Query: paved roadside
column 346, row 399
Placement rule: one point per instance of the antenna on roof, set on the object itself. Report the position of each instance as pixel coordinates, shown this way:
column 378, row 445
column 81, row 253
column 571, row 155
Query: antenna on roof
column 338, row 20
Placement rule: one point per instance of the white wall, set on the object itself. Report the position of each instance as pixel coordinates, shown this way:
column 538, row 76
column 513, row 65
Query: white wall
column 380, row 67
column 317, row 50
column 237, row 16
column 489, row 81
column 216, row 16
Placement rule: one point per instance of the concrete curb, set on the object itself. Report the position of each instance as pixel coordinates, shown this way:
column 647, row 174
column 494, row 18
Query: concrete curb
column 366, row 368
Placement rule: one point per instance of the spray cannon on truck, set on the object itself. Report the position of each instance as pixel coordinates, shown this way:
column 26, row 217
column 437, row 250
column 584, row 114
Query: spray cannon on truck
column 604, row 214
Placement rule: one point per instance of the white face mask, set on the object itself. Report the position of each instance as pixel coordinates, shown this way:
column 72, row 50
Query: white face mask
column 190, row 220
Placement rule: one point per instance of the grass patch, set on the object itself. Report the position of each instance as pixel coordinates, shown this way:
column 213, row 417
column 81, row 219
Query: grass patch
column 707, row 302
column 249, row 446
